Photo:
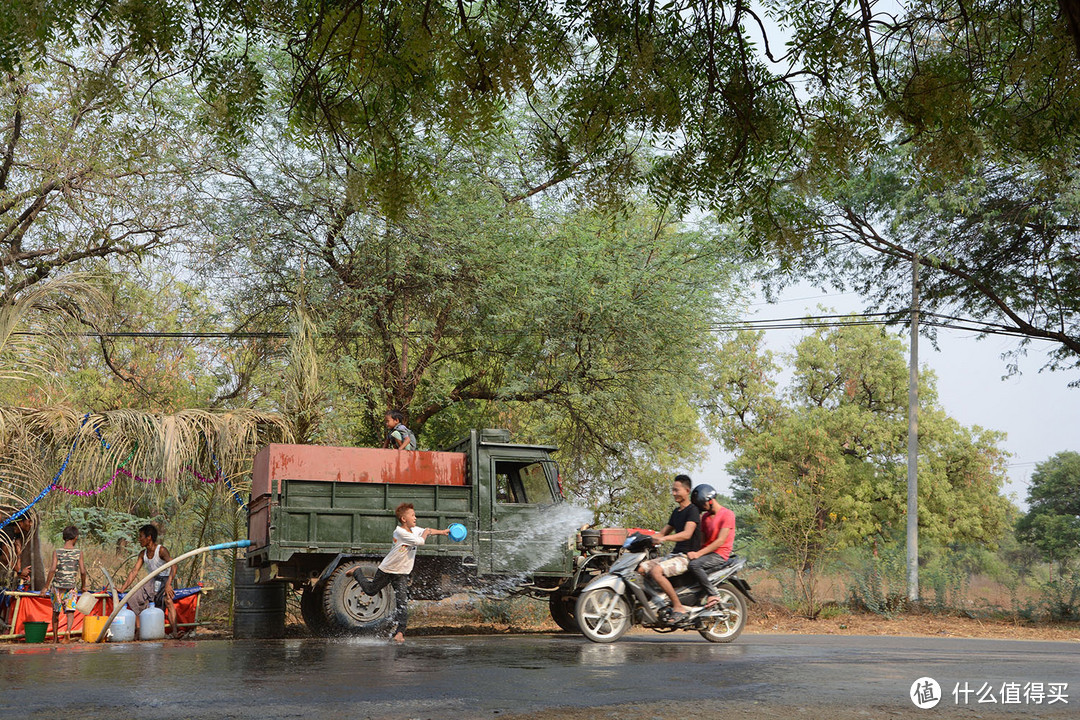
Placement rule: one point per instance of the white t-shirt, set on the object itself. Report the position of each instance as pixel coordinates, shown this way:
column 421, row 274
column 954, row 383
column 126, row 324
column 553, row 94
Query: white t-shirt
column 399, row 561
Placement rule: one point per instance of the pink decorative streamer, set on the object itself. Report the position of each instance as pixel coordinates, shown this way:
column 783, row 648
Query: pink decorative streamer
column 122, row 471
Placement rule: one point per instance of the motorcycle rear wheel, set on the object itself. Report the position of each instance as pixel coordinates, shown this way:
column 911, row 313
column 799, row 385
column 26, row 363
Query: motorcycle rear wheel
column 724, row 630
column 603, row 615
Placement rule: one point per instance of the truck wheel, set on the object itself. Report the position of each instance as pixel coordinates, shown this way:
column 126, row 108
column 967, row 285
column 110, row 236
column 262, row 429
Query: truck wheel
column 311, row 609
column 562, row 611
column 603, row 615
column 348, row 609
column 727, row 628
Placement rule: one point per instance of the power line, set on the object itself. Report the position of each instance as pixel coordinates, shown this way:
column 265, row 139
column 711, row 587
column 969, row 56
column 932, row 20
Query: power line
column 239, row 334
column 950, row 322
column 807, row 297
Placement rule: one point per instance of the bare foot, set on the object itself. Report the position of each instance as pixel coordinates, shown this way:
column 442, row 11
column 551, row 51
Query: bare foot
column 713, row 600
column 399, row 638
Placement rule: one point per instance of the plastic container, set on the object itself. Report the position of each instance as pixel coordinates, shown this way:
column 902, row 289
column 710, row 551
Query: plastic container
column 92, row 625
column 152, row 623
column 123, row 626
column 457, row 532
column 86, row 603
column 35, row 631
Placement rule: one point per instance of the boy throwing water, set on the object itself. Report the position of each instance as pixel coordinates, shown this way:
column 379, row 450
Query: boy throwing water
column 395, row 568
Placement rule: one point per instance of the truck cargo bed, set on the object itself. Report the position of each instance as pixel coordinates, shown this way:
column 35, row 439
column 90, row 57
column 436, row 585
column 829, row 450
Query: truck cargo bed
column 278, row 462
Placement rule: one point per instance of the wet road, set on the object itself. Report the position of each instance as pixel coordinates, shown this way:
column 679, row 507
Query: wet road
column 466, row 677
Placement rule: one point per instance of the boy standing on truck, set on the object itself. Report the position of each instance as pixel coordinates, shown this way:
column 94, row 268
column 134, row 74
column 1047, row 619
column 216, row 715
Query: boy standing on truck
column 398, row 437
column 398, row 564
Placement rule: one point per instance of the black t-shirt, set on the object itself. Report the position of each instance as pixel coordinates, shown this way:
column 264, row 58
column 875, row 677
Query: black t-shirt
column 678, row 520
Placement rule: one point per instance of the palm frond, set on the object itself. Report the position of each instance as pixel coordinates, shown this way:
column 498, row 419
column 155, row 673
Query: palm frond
column 44, row 309
column 147, row 444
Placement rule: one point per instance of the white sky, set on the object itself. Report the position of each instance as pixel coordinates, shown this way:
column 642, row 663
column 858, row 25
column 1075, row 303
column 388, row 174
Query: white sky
column 1039, row 412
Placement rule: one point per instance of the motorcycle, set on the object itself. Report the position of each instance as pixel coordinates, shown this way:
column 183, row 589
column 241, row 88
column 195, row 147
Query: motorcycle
column 614, row 602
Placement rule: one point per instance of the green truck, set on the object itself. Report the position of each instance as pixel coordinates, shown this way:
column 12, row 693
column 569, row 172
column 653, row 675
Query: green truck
column 316, row 512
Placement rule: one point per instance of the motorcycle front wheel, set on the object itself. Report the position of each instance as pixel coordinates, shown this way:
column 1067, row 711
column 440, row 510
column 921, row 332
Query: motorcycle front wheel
column 727, row 628
column 603, row 615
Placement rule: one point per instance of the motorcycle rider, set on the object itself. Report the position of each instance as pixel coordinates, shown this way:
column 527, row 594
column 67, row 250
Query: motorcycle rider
column 682, row 528
column 718, row 535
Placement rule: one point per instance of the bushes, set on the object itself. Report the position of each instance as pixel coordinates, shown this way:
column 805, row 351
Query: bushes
column 878, row 580
column 100, row 525
column 1060, row 598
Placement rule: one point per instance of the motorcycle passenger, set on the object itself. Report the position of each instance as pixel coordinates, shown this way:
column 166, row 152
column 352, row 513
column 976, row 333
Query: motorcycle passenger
column 718, row 535
column 682, row 528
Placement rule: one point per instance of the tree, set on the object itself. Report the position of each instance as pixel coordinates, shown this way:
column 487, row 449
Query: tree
column 1053, row 520
column 622, row 76
column 735, row 119
column 95, row 163
column 487, row 301
column 825, row 464
column 996, row 246
column 959, row 148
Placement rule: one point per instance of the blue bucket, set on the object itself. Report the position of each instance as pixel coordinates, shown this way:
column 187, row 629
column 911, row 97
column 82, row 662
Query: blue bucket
column 457, row 532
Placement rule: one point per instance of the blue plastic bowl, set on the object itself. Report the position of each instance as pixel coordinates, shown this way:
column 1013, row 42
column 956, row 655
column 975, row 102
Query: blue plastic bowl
column 457, row 532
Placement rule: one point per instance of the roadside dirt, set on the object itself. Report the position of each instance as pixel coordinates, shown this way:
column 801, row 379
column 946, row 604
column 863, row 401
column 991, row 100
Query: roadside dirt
column 765, row 617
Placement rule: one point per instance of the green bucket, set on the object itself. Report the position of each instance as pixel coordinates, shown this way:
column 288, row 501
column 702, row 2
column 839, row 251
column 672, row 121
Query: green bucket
column 35, row 631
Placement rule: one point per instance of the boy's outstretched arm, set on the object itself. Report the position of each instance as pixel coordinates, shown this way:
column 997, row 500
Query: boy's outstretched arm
column 432, row 531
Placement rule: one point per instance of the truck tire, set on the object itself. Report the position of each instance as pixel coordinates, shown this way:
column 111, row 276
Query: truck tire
column 349, row 610
column 724, row 630
column 562, row 611
column 311, row 609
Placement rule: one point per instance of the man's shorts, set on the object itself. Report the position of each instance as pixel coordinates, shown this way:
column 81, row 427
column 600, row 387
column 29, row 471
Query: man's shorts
column 670, row 565
column 151, row 592
column 64, row 599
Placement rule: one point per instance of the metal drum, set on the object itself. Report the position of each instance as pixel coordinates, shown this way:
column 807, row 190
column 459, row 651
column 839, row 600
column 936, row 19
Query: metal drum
column 258, row 608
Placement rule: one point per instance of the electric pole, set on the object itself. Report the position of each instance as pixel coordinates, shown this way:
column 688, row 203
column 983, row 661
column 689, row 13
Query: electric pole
column 913, row 444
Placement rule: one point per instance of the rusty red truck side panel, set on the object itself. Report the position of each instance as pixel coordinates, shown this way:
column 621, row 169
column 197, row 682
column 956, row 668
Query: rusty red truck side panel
column 278, row 462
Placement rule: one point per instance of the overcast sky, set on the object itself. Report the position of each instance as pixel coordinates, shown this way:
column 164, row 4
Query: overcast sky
column 1039, row 412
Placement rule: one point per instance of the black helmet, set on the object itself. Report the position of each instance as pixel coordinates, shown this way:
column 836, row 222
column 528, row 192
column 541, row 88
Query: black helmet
column 702, row 495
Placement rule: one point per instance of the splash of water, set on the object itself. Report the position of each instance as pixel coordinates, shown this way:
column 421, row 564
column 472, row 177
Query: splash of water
column 534, row 543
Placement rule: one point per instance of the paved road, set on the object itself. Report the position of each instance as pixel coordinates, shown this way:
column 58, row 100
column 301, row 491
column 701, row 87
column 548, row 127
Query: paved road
column 467, row 677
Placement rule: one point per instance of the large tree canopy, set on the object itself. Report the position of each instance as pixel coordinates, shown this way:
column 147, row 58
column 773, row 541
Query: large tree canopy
column 692, row 99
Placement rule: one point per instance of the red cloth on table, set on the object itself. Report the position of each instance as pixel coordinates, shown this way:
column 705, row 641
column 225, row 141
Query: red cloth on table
column 39, row 608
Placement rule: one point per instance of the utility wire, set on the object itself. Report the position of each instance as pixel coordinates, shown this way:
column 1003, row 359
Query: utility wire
column 932, row 319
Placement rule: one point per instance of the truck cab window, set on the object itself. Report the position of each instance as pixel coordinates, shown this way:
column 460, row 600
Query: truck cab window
column 522, row 483
column 535, row 482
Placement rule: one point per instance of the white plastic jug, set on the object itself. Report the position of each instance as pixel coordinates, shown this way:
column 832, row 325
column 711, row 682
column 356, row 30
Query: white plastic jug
column 86, row 603
column 122, row 628
column 152, row 623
